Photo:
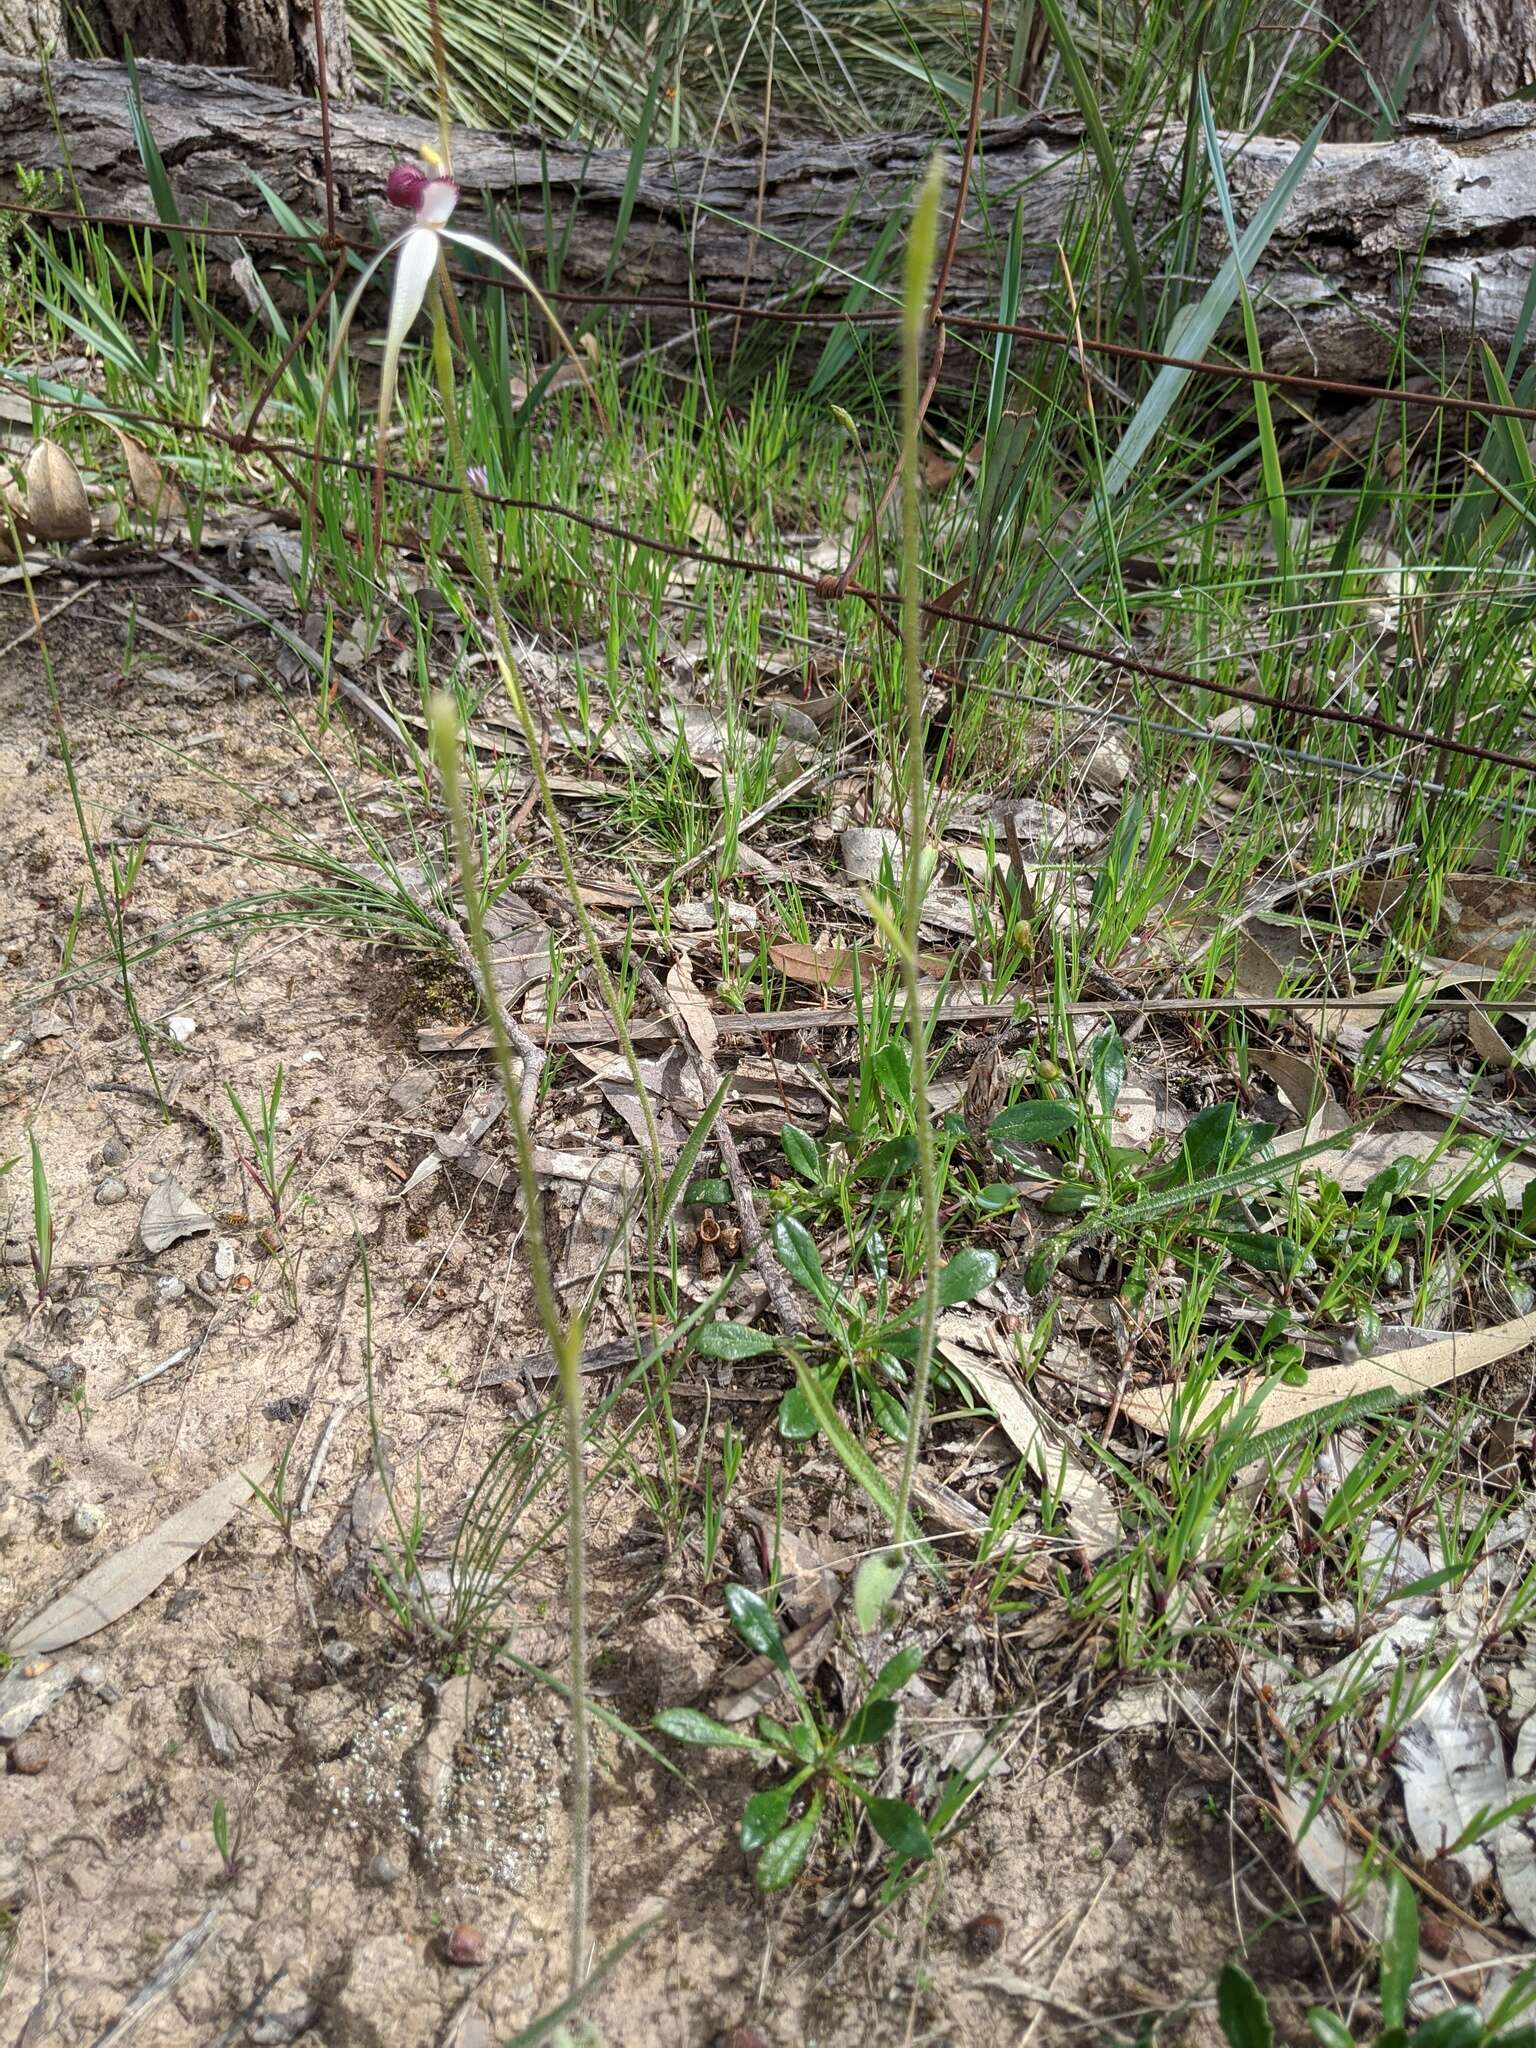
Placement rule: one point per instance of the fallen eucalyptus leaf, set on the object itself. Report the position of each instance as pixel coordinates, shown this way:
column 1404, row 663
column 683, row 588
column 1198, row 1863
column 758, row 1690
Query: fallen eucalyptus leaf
column 121, row 1582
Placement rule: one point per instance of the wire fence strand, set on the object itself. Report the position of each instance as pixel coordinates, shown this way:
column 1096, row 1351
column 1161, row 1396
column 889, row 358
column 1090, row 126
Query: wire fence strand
column 981, row 325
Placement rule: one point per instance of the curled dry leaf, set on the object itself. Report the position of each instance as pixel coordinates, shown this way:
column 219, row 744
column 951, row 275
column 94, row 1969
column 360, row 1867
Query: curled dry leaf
column 57, row 507
column 149, row 488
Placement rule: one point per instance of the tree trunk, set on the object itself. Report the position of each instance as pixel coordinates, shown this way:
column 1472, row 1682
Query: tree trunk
column 273, row 39
column 1473, row 54
column 1431, row 236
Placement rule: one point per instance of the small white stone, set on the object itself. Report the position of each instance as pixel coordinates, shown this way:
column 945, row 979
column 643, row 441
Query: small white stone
column 87, row 1521
column 170, row 1288
column 224, row 1261
column 181, row 1028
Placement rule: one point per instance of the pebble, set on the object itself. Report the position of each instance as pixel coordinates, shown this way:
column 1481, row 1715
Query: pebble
column 88, row 1520
column 157, row 1174
column 29, row 1756
column 464, row 1946
column 132, row 824
column 983, row 1936
column 224, row 1261
column 169, row 1288
column 114, row 1152
column 111, row 1190
column 742, row 2037
column 383, row 1870
column 339, row 1654
column 208, row 1283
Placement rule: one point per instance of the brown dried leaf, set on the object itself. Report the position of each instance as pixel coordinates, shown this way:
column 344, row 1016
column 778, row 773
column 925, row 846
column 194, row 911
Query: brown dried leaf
column 827, row 967
column 693, row 1011
column 57, row 507
column 149, row 488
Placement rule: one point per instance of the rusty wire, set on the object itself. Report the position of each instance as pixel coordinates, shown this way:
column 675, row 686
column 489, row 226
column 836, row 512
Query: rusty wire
column 825, row 585
column 979, row 324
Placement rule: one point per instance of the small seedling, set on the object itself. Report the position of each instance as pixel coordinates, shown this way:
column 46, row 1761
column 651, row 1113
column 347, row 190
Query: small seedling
column 227, row 1844
column 42, row 1221
column 824, row 1765
column 262, row 1132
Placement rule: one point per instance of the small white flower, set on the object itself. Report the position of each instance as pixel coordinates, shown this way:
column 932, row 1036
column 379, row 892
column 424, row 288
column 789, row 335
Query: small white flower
column 431, row 195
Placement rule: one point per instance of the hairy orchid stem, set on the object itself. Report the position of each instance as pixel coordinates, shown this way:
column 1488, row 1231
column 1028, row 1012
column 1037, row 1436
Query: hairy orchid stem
column 564, row 1338
column 512, row 684
column 919, row 270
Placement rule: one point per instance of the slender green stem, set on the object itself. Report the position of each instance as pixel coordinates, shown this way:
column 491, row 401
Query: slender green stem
column 512, row 683
column 919, row 271
column 564, row 1339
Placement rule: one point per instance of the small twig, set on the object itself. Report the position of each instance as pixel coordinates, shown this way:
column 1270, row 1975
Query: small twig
column 322, row 1452
column 529, row 1054
column 21, row 639
column 168, row 1972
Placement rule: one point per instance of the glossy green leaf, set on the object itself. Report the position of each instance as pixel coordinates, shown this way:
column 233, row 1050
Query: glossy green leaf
column 872, row 1723
column 1462, row 2027
column 732, row 1340
column 800, row 1150
column 1329, row 2030
column 891, row 1156
column 765, row 1815
column 1399, row 1950
column 968, row 1274
column 893, row 1070
column 688, row 1157
column 686, row 1724
column 1242, row 2010
column 795, row 1250
column 1107, row 1062
column 753, row 1620
column 1032, row 1123
column 894, row 1673
column 797, row 1419
column 785, row 1856
column 899, row 1826
column 708, row 1194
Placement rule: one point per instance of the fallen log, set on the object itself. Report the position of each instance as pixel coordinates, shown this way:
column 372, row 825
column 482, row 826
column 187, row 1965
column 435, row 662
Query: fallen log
column 1430, row 237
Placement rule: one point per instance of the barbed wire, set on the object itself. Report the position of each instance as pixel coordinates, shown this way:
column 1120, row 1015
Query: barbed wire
column 823, row 584
column 329, row 244
column 981, row 325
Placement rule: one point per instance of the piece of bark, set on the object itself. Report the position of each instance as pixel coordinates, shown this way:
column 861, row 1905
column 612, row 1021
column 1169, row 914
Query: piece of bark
column 1384, row 247
column 1460, row 56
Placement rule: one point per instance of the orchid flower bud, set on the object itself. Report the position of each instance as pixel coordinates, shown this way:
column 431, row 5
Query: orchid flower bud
column 406, row 184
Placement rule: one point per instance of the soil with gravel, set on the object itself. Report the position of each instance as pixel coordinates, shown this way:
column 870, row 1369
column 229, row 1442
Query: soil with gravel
column 395, row 1847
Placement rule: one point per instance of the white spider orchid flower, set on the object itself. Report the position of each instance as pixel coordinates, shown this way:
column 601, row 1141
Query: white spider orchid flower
column 431, row 195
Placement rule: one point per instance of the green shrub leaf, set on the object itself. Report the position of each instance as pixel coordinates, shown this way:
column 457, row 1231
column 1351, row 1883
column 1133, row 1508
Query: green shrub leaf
column 732, row 1340
column 686, row 1724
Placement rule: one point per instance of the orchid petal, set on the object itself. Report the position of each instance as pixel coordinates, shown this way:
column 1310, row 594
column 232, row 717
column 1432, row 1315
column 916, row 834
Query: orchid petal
column 413, row 273
column 436, row 201
column 482, row 247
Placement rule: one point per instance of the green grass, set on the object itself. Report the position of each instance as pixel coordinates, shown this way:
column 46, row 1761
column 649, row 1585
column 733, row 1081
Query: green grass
column 1181, row 880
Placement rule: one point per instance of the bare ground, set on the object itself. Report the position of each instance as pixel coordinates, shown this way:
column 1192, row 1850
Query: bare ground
column 1114, row 1869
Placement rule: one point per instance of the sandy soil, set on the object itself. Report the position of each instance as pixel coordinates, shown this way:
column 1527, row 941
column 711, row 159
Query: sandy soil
column 376, row 1801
